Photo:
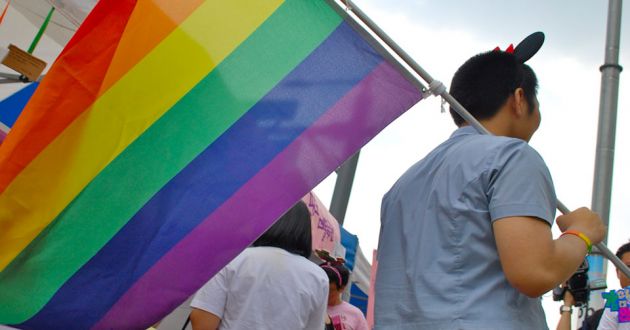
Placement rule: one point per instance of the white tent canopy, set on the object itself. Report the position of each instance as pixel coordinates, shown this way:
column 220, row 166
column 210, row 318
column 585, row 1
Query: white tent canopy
column 66, row 18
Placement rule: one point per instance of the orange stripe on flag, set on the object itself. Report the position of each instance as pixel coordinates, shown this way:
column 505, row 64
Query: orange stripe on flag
column 150, row 23
column 78, row 73
column 57, row 103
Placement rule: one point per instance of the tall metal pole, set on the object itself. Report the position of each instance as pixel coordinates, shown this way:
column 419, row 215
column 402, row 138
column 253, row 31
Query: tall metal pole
column 605, row 150
column 343, row 187
column 609, row 94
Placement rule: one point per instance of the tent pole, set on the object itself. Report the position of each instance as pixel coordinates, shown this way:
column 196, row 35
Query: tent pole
column 41, row 31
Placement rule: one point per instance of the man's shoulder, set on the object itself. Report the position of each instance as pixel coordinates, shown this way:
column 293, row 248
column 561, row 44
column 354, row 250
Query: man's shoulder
column 470, row 155
column 499, row 148
column 477, row 151
column 490, row 142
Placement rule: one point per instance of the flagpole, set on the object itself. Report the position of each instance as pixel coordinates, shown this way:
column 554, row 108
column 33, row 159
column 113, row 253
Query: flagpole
column 605, row 150
column 438, row 89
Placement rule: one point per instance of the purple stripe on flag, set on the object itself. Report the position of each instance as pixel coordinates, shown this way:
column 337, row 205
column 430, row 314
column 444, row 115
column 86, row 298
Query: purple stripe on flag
column 370, row 106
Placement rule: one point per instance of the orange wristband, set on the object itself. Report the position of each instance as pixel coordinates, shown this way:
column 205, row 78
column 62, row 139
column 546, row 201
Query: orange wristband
column 586, row 240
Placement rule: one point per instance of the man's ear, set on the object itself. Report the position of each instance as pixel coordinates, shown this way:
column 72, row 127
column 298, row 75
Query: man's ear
column 520, row 106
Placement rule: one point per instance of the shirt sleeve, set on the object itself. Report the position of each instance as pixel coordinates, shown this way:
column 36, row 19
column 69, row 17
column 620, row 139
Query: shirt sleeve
column 361, row 322
column 212, row 297
column 519, row 184
column 608, row 321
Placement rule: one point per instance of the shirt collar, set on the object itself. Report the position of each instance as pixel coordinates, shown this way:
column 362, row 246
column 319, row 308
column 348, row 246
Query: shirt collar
column 465, row 130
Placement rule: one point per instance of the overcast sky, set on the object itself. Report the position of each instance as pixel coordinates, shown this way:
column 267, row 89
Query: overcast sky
column 440, row 35
column 441, row 38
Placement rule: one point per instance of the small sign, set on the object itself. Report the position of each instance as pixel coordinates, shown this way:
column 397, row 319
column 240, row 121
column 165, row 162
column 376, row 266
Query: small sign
column 24, row 63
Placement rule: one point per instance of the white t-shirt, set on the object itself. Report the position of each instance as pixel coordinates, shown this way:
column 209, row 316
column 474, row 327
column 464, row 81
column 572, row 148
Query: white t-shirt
column 266, row 288
column 610, row 321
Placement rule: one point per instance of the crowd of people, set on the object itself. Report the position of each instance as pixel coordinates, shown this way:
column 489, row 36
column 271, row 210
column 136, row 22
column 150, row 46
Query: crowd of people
column 465, row 238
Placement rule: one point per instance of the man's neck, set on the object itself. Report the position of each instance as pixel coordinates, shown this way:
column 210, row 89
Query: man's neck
column 497, row 126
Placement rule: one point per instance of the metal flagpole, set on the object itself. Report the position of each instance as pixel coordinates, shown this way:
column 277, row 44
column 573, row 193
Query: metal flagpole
column 437, row 88
column 609, row 94
column 605, row 150
column 346, row 172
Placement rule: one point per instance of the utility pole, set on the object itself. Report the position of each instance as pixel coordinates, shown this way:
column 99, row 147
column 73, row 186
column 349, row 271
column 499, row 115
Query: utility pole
column 605, row 150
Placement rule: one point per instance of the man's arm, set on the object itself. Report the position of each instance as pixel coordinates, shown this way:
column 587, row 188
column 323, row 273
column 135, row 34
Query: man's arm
column 202, row 320
column 533, row 262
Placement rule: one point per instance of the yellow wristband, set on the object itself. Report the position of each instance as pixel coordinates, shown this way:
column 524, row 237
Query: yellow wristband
column 586, row 240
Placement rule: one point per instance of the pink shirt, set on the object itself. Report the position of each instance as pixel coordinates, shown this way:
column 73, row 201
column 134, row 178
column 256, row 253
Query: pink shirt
column 347, row 317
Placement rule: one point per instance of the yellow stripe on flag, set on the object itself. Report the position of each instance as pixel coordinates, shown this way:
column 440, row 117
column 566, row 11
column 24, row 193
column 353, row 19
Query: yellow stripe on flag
column 53, row 179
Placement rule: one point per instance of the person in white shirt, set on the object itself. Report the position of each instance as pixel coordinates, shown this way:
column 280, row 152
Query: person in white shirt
column 610, row 319
column 271, row 285
column 603, row 319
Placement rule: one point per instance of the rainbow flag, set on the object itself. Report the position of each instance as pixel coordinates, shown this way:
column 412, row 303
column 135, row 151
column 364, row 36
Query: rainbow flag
column 166, row 138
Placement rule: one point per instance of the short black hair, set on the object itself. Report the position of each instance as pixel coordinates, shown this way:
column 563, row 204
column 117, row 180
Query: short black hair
column 332, row 275
column 483, row 84
column 623, row 249
column 291, row 232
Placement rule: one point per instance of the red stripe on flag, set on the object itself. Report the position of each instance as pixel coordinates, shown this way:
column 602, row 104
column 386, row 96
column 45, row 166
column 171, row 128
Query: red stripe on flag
column 78, row 72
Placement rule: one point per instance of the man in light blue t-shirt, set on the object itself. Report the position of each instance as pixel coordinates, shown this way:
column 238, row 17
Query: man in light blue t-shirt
column 465, row 237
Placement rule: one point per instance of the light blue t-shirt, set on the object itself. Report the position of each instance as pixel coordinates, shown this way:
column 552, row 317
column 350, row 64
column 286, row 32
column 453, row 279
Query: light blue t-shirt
column 438, row 266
